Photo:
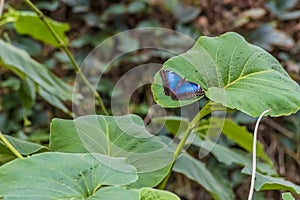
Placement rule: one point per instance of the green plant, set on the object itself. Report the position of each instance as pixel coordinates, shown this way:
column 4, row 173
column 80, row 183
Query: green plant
column 115, row 157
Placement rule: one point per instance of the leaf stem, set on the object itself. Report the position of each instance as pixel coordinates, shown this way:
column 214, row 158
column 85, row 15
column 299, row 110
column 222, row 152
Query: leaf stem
column 10, row 146
column 69, row 54
column 254, row 155
column 207, row 109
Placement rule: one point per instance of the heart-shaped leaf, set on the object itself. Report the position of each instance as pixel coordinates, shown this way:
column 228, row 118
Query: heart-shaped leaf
column 63, row 176
column 118, row 136
column 234, row 73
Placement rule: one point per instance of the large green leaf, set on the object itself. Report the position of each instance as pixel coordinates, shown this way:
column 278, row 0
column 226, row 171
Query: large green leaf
column 63, row 176
column 119, row 136
column 197, row 171
column 27, row 22
column 51, row 88
column 234, row 73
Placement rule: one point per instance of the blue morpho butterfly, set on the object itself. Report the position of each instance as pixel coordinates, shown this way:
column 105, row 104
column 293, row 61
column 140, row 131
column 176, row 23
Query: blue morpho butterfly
column 178, row 88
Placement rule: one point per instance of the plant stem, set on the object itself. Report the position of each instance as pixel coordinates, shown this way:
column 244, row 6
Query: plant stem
column 69, row 54
column 1, row 7
column 208, row 108
column 10, row 146
column 254, row 155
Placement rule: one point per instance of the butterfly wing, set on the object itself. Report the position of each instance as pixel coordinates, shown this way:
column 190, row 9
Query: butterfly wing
column 177, row 87
column 170, row 81
column 188, row 90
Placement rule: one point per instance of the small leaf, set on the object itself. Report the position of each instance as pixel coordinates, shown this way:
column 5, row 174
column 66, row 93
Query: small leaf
column 39, row 31
column 23, row 147
column 234, row 73
column 287, row 196
column 63, row 176
column 264, row 182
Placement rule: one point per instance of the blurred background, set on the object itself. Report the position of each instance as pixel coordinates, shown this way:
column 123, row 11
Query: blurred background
column 273, row 25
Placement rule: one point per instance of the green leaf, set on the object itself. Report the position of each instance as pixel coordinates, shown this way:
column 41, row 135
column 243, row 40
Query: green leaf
column 22, row 146
column 197, row 171
column 119, row 136
column 150, row 193
column 27, row 93
column 239, row 135
column 231, row 156
column 137, row 7
column 234, row 73
column 174, row 124
column 264, row 182
column 24, row 20
column 287, row 196
column 63, row 176
column 182, row 11
column 115, row 193
column 281, row 9
column 267, row 36
column 47, row 84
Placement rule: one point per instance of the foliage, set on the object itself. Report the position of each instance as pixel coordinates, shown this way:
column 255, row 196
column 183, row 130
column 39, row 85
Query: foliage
column 116, row 157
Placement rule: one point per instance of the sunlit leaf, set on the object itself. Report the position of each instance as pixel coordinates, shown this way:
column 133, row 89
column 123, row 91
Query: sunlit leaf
column 24, row 20
column 234, row 73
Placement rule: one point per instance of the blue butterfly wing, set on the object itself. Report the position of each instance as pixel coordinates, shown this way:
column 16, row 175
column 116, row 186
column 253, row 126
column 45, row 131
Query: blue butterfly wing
column 188, row 90
column 177, row 87
column 173, row 80
column 187, row 87
column 170, row 81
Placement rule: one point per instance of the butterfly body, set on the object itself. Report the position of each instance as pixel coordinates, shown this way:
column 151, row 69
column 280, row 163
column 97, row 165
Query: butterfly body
column 178, row 88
